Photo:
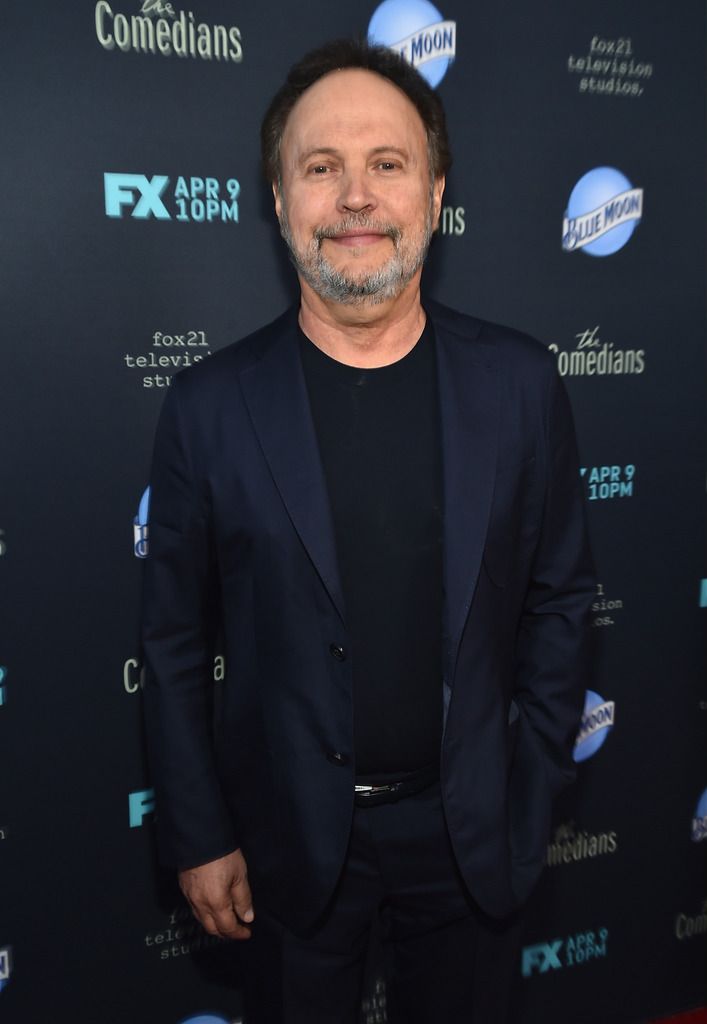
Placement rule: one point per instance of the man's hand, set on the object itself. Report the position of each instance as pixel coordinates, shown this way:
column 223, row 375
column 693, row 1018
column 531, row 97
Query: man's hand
column 219, row 895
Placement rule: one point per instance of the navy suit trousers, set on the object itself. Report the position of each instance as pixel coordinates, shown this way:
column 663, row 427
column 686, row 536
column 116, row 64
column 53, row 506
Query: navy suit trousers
column 443, row 960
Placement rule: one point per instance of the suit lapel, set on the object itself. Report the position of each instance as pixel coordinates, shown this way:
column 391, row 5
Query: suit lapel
column 276, row 394
column 469, row 407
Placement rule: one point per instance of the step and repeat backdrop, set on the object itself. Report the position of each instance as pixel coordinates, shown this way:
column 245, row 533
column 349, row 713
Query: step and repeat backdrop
column 138, row 238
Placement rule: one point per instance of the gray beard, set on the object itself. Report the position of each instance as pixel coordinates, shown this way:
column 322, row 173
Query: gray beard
column 379, row 286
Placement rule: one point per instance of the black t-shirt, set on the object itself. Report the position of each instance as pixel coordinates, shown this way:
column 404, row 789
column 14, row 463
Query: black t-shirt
column 379, row 439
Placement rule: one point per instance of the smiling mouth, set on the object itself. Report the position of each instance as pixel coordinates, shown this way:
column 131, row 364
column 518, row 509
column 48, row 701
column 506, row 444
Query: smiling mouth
column 355, row 239
column 357, row 234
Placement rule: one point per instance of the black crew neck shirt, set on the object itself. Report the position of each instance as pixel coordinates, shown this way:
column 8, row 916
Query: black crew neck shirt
column 379, row 439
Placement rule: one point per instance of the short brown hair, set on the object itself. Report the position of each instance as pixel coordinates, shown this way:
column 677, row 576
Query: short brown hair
column 354, row 53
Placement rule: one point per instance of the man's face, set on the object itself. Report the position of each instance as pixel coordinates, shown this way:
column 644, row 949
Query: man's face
column 356, row 203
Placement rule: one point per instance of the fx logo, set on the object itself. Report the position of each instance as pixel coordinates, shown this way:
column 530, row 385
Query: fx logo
column 136, row 190
column 140, row 804
column 541, row 957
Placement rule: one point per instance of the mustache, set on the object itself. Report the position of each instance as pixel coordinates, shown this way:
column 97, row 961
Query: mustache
column 357, row 223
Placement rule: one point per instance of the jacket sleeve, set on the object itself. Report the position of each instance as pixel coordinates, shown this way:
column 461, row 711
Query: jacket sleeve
column 552, row 655
column 179, row 619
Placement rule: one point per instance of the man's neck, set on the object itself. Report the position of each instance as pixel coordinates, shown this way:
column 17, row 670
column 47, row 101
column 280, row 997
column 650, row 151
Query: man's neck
column 364, row 335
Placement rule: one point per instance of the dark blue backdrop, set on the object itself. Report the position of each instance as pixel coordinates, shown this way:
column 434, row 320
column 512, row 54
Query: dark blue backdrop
column 100, row 309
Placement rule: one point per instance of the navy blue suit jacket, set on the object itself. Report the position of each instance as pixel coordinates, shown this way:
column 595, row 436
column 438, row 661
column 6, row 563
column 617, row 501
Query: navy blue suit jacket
column 241, row 541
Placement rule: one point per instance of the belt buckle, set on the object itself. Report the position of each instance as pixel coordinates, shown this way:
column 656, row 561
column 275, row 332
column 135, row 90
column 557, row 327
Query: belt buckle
column 388, row 787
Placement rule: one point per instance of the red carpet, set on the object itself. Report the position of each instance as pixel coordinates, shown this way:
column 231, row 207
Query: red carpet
column 693, row 1017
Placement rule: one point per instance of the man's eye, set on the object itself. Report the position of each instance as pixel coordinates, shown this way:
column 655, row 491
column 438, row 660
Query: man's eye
column 319, row 169
column 387, row 165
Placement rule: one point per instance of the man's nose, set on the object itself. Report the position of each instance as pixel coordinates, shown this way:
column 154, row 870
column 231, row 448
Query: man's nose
column 356, row 194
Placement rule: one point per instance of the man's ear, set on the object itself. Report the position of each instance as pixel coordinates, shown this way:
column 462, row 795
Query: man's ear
column 276, row 197
column 437, row 194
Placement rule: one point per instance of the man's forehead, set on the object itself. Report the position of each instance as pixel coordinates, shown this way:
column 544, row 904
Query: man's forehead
column 350, row 99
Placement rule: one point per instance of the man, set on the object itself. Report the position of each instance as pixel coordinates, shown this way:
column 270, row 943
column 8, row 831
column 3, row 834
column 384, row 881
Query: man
column 378, row 504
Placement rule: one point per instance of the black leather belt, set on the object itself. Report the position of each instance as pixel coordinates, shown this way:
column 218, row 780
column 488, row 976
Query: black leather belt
column 373, row 790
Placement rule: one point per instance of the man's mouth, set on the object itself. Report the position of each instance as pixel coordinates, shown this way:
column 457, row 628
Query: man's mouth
column 357, row 236
column 355, row 239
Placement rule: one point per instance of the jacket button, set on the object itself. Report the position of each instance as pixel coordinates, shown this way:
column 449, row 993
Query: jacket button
column 337, row 652
column 335, row 757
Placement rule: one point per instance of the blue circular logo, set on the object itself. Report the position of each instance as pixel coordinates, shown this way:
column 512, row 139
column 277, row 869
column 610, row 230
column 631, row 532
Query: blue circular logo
column 418, row 32
column 140, row 526
column 206, row 1018
column 602, row 212
column 143, row 511
column 699, row 822
column 597, row 723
